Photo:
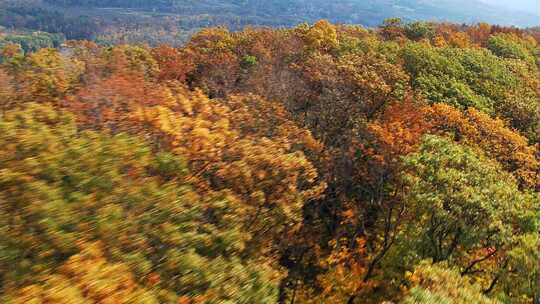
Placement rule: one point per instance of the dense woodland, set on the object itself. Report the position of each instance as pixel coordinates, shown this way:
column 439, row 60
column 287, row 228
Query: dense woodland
column 316, row 164
column 172, row 22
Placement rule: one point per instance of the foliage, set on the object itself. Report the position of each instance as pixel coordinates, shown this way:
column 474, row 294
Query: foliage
column 32, row 42
column 445, row 75
column 510, row 46
column 45, row 76
column 466, row 211
column 399, row 131
column 61, row 188
column 316, row 164
column 418, row 30
column 438, row 284
column 76, row 282
column 272, row 176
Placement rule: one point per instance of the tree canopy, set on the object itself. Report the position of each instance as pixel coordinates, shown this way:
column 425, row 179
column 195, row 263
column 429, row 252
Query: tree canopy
column 320, row 163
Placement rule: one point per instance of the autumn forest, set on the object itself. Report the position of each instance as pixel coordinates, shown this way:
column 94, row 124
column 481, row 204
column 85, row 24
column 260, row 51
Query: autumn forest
column 313, row 164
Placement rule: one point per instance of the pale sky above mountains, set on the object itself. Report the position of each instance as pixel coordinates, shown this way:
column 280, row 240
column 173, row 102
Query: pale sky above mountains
column 531, row 6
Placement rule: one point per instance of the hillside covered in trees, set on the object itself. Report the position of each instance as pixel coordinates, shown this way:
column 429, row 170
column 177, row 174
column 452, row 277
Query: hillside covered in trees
column 172, row 22
column 316, row 164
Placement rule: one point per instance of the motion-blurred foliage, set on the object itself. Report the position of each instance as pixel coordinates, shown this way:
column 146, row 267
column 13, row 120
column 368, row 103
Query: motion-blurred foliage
column 317, row 164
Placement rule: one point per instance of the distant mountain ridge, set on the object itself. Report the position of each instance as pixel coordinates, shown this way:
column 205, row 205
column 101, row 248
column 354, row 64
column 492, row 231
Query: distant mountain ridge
column 134, row 20
column 366, row 12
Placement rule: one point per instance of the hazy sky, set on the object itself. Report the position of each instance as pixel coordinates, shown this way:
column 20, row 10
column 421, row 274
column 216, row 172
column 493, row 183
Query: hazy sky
column 532, row 6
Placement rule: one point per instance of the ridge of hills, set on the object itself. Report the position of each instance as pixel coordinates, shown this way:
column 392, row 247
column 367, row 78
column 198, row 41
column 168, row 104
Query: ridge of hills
column 176, row 19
